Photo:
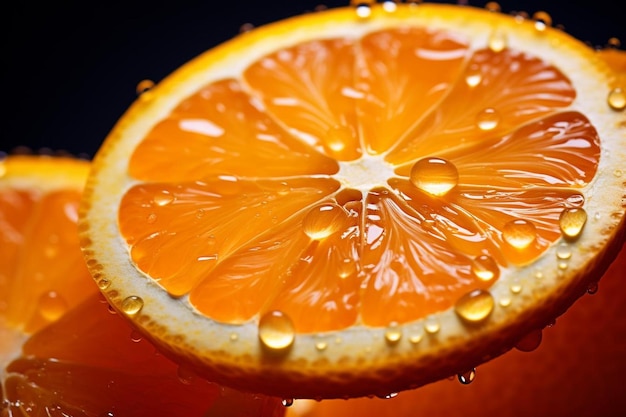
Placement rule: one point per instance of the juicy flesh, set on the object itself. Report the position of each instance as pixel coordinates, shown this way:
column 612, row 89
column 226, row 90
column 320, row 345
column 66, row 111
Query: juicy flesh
column 263, row 211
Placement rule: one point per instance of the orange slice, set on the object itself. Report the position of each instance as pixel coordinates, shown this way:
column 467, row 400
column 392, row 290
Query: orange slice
column 62, row 351
column 360, row 201
column 577, row 369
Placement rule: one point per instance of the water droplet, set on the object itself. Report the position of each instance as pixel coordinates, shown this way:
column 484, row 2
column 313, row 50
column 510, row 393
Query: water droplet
column 283, row 188
column 321, row 345
column 135, row 336
column 436, row 176
column 618, row 173
column 467, row 377
column 233, row 337
column 103, row 284
column 416, row 336
column 613, row 43
column 572, row 221
column 530, row 342
column 246, row 27
column 346, row 268
column 152, row 217
column 505, row 301
column 617, row 99
column 516, row 286
column 563, row 251
column 324, row 220
column 287, row 402
column 226, row 185
column 485, row 268
column 132, row 305
column 276, row 330
column 592, row 288
column 497, row 41
column 475, row 306
column 493, row 6
column 473, row 75
column 431, row 325
column 393, row 334
column 519, row 233
column 388, row 396
column 487, row 119
column 337, row 137
column 390, row 5
column 185, row 375
column 163, row 198
column 144, row 86
column 52, row 305
column 363, row 7
column 542, row 20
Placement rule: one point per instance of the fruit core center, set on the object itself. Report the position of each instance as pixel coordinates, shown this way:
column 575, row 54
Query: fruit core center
column 365, row 173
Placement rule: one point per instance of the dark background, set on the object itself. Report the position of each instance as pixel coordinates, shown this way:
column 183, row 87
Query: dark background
column 70, row 68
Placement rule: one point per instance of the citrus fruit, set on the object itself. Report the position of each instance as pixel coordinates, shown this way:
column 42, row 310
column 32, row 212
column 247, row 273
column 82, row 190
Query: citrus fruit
column 362, row 200
column 577, row 369
column 62, row 351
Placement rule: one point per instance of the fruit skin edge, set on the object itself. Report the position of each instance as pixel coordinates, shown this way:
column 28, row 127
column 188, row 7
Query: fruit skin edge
column 218, row 357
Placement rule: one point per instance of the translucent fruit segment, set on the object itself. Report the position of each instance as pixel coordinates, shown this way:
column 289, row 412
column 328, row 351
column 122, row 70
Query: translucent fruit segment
column 402, row 74
column 311, row 278
column 310, row 89
column 483, row 104
column 221, row 130
column 179, row 232
column 36, row 231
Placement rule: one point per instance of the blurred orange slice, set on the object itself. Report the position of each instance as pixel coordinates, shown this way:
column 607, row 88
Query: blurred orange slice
column 360, row 201
column 62, row 351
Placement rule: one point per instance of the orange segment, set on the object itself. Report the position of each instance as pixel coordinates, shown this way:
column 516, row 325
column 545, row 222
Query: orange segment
column 38, row 221
column 343, row 205
column 62, row 350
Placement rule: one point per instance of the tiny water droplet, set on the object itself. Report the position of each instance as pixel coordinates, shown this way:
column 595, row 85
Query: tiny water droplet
column 542, row 20
column 163, row 198
column 393, row 334
column 103, row 283
column 144, row 86
column 390, row 5
column 497, row 41
column 519, row 233
column 475, row 306
column 473, row 75
column 233, row 337
column 563, row 251
column 346, row 268
column 321, row 345
column 287, row 402
column 52, row 305
column 337, row 137
column 152, row 217
column 505, row 301
column 388, row 396
column 246, row 27
column 467, row 377
column 132, row 305
column 185, row 375
column 592, row 288
column 485, row 268
column 324, row 220
column 363, row 7
column 617, row 99
column 618, row 173
column 431, row 325
column 493, row 6
column 276, row 330
column 135, row 336
column 487, row 119
column 530, row 342
column 516, row 286
column 572, row 221
column 436, row 176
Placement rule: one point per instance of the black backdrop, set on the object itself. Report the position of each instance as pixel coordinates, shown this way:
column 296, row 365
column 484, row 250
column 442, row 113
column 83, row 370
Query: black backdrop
column 70, row 68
